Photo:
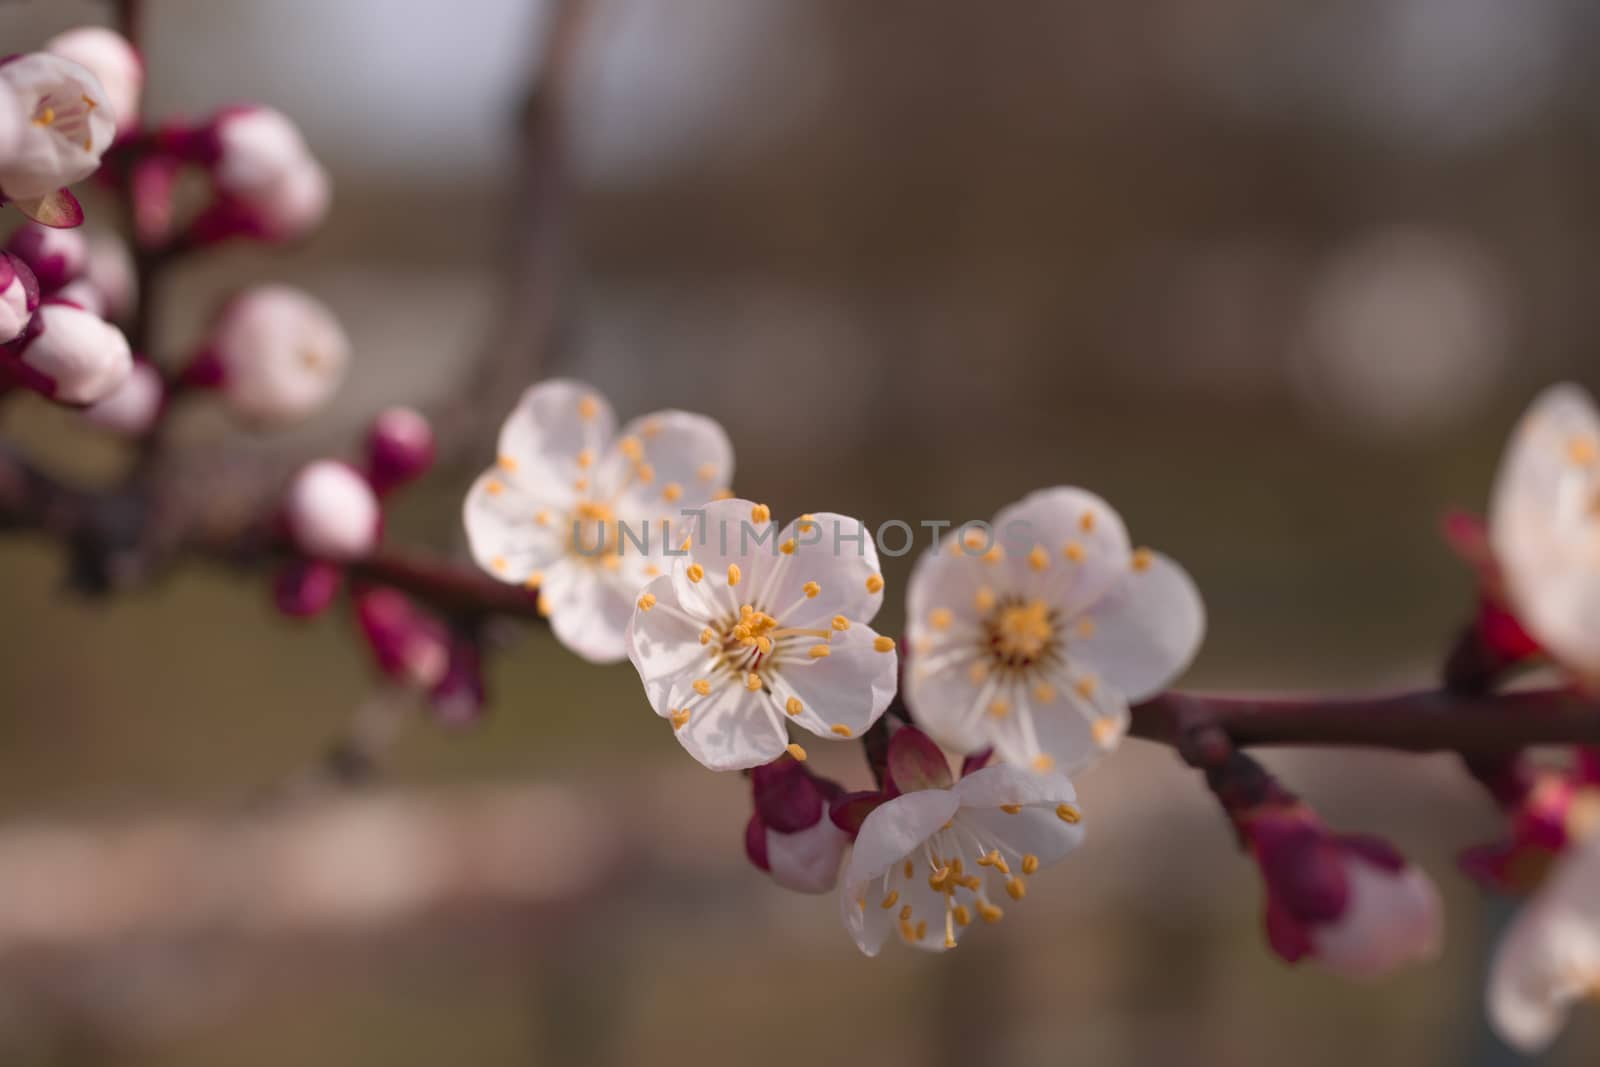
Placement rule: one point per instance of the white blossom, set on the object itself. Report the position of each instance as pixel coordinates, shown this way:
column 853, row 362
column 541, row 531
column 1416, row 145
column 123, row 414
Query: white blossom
column 74, row 356
column 756, row 628
column 331, row 512
column 132, row 408
column 280, row 352
column 264, row 164
column 1544, row 526
column 1033, row 639
column 576, row 510
column 66, row 128
column 113, row 61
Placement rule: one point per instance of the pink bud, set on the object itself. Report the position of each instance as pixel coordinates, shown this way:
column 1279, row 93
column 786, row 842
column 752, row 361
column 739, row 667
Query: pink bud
column 70, row 355
column 306, row 587
column 400, row 448
column 114, row 62
column 276, row 353
column 458, row 698
column 134, row 406
column 19, row 297
column 407, row 645
column 1351, row 903
column 269, row 185
column 789, row 836
column 916, row 763
column 331, row 512
column 55, row 256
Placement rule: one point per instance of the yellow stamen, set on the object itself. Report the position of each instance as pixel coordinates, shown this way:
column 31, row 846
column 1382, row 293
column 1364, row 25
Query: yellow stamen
column 1087, row 628
column 1038, row 559
column 722, row 494
column 588, row 408
column 1073, row 551
column 765, row 645
column 983, row 600
column 989, row 913
column 707, row 472
column 695, row 572
column 544, row 605
column 760, row 514
column 494, row 488
column 811, row 589
column 585, row 459
column 1067, row 813
column 940, row 618
column 820, row 652
column 909, row 869
column 651, row 428
column 1016, row 889
column 961, row 915
column 733, row 574
column 507, row 463
column 671, row 492
column 645, row 473
column 797, row 752
column 1011, row 809
column 752, row 682
column 1142, row 559
column 541, row 518
column 905, row 912
column 1044, row 692
column 1086, row 523
column 499, row 564
column 841, row 623
column 874, row 583
column 47, row 117
column 1044, row 762
column 883, row 644
column 1105, row 730
column 631, row 448
column 1087, row 686
column 707, row 636
column 889, row 901
column 788, row 547
column 1583, row 450
column 702, row 686
column 794, row 707
column 842, row 730
column 999, row 709
column 1030, row 863
column 680, row 718
column 647, row 601
column 978, row 673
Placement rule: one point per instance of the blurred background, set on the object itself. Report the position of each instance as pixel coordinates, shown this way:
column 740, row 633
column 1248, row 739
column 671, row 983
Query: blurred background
column 1273, row 278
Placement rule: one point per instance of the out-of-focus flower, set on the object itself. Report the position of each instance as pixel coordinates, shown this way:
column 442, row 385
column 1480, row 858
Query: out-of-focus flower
column 1034, row 640
column 940, row 854
column 400, row 448
column 756, row 628
column 19, row 297
column 306, row 587
column 66, row 130
column 111, row 272
column 12, row 120
column 55, row 256
column 134, row 406
column 409, row 646
column 458, row 698
column 578, row 512
column 331, row 512
column 269, row 185
column 69, row 355
column 1544, row 524
column 1351, row 903
column 114, row 62
column 275, row 353
column 1550, row 958
column 790, row 835
column 1555, row 808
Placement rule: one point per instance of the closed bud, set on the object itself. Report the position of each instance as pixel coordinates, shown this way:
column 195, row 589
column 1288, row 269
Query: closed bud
column 133, row 407
column 790, row 835
column 408, row 646
column 67, row 126
column 269, row 186
column 55, row 256
column 306, row 587
column 331, row 512
column 115, row 63
column 400, row 448
column 19, row 297
column 275, row 353
column 70, row 355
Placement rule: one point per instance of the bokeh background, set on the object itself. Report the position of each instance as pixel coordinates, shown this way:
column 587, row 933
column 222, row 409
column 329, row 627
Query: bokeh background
column 1274, row 278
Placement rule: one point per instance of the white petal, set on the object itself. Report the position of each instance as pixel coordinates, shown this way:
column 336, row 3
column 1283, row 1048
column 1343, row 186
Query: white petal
column 1082, row 545
column 889, row 835
column 1145, row 631
column 947, row 579
column 848, row 688
column 589, row 609
column 943, row 696
column 731, row 729
column 807, row 861
column 723, row 533
column 554, row 425
column 1545, row 529
column 837, row 553
column 664, row 644
column 1072, row 721
column 1392, row 918
column 1037, row 829
column 503, row 530
column 1538, row 970
column 689, row 461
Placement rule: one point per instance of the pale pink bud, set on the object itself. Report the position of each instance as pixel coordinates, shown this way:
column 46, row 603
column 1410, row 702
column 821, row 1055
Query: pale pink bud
column 55, row 256
column 269, row 185
column 407, row 645
column 67, row 127
column 331, row 512
column 400, row 448
column 276, row 354
column 19, row 296
column 790, row 835
column 71, row 355
column 12, row 121
column 134, row 406
column 111, row 271
column 114, row 62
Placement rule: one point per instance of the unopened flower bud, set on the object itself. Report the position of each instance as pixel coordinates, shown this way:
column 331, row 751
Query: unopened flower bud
column 67, row 127
column 458, row 698
column 407, row 645
column 111, row 272
column 306, row 587
column 268, row 183
column 134, row 406
column 55, row 256
column 275, row 353
column 331, row 512
column 70, row 355
column 400, row 448
column 19, row 297
column 114, row 62
column 790, row 835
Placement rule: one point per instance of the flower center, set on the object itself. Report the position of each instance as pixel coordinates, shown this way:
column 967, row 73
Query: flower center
column 596, row 535
column 1019, row 633
column 67, row 116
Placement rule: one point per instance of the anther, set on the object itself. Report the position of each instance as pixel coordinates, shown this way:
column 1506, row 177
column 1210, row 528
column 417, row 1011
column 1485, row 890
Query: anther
column 905, row 912
column 841, row 623
column 1044, row 692
column 733, row 574
column 760, row 514
column 1011, row 809
column 961, row 915
column 874, row 583
column 883, row 644
column 752, row 682
column 820, row 652
column 1142, row 559
column 811, row 589
column 707, row 636
column 702, row 687
column 983, row 600
column 695, row 572
column 494, row 488
column 707, row 472
column 588, row 408
column 671, row 492
column 788, row 547
column 680, row 718
column 1030, row 863
column 647, row 601
column 889, row 901
column 1015, row 889
column 631, row 448
column 940, row 618
column 507, row 463
column 585, row 459
column 1068, row 814
column 1105, row 730
column 793, row 706
column 999, row 709
column 989, row 913
column 1044, row 762
column 841, row 729
column 797, row 752
column 1086, row 523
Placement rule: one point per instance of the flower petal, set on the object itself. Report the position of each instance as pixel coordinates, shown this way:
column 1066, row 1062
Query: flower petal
column 915, row 762
column 1538, row 970
column 664, row 643
column 667, row 461
column 1064, row 545
column 1038, row 828
column 943, row 685
column 729, row 730
column 843, row 693
column 807, row 861
column 838, row 554
column 1145, row 631
column 589, row 610
column 724, row 534
column 544, row 440
column 1392, row 918
column 888, row 835
column 503, row 532
column 1543, row 525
